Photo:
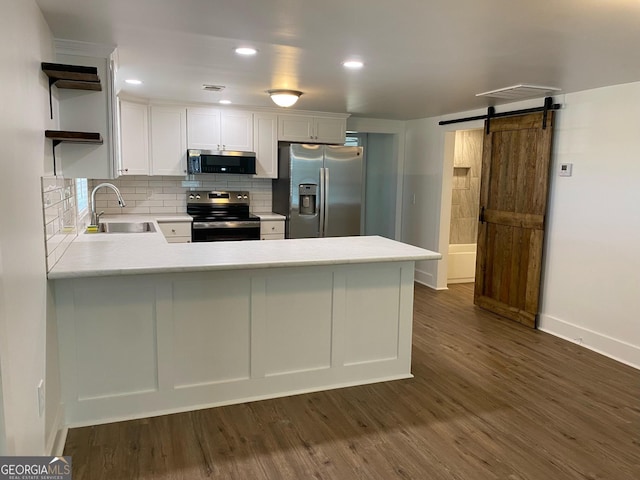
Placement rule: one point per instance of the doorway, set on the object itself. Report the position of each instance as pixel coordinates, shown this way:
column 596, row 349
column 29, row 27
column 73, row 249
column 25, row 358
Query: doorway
column 466, row 166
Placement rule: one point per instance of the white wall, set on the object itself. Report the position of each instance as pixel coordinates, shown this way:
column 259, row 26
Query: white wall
column 591, row 271
column 591, row 291
column 24, row 157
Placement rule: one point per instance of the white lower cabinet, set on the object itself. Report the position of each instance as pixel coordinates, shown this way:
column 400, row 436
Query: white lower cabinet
column 176, row 232
column 271, row 229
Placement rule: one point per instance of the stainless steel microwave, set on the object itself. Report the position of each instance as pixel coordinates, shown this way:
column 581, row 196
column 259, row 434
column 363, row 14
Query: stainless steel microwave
column 222, row 161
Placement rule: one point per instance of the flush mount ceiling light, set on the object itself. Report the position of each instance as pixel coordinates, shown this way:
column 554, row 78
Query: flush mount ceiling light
column 133, row 81
column 284, row 98
column 522, row 90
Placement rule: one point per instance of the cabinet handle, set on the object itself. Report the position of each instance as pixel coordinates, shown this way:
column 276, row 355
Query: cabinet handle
column 173, row 230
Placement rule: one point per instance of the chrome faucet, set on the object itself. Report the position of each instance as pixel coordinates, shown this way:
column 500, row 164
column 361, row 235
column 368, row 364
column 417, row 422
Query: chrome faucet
column 95, row 217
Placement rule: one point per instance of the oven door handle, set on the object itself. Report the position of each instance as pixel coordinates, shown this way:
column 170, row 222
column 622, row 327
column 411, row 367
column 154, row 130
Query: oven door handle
column 229, row 224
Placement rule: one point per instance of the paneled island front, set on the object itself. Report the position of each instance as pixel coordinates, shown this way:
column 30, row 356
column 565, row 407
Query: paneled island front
column 146, row 327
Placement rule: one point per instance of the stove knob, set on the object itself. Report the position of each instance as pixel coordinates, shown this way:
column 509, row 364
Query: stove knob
column 239, row 197
column 246, row 196
column 197, row 197
column 191, row 197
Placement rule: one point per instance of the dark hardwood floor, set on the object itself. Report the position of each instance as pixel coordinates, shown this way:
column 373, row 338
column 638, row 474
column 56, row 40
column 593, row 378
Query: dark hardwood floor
column 491, row 399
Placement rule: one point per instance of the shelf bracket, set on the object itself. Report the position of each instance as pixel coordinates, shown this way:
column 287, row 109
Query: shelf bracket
column 52, row 82
column 54, row 144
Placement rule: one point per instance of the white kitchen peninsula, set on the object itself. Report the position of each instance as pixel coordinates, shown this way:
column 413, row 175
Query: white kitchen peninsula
column 146, row 327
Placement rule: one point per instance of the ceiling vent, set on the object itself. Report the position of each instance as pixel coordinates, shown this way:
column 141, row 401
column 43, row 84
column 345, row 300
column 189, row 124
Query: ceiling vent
column 212, row 88
column 517, row 92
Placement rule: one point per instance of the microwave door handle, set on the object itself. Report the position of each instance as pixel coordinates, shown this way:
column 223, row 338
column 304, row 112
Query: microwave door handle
column 321, row 205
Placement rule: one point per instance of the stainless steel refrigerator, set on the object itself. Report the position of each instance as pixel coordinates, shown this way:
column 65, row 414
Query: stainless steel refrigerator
column 319, row 190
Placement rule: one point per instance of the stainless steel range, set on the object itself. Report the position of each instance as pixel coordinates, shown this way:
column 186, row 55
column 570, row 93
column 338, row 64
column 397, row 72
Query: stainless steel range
column 221, row 216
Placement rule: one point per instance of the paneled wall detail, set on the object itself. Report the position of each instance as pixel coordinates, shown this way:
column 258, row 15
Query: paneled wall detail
column 150, row 344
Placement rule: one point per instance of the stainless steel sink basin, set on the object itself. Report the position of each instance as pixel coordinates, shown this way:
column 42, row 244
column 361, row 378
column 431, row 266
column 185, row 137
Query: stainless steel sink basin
column 126, row 227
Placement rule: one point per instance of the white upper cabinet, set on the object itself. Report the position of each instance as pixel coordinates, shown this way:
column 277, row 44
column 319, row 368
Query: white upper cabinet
column 217, row 129
column 168, row 140
column 134, row 139
column 313, row 129
column 265, row 141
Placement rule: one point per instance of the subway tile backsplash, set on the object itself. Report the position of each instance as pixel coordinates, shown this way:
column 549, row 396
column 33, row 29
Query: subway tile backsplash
column 150, row 195
column 59, row 214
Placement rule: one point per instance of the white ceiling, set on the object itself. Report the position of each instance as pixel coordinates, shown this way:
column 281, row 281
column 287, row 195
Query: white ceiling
column 422, row 57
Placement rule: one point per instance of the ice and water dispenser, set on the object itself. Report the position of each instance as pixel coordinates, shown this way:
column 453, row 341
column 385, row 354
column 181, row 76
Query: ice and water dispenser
column 308, row 193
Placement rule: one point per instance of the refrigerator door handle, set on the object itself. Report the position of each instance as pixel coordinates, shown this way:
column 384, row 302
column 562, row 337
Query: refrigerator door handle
column 326, row 203
column 321, row 204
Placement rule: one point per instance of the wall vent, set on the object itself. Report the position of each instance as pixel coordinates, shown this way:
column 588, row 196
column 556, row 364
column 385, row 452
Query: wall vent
column 523, row 90
column 212, row 88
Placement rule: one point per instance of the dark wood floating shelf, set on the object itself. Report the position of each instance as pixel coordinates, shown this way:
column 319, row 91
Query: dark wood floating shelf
column 72, row 76
column 59, row 136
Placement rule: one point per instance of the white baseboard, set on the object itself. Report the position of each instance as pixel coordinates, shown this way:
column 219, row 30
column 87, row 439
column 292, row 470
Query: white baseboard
column 427, row 279
column 610, row 347
column 58, row 435
column 461, row 280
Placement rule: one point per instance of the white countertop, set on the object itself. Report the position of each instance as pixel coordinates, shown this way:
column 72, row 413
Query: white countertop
column 270, row 216
column 100, row 254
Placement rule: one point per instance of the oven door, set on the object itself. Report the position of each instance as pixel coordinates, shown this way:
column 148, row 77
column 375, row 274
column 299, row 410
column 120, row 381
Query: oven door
column 222, row 231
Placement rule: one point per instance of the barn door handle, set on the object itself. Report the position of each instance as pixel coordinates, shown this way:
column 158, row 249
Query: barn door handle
column 481, row 218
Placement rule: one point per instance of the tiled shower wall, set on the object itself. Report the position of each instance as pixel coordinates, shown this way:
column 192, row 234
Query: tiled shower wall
column 60, row 212
column 148, row 195
column 465, row 198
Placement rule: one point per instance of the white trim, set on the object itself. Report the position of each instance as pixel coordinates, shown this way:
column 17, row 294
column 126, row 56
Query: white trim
column 603, row 344
column 74, row 47
column 58, row 436
column 426, row 279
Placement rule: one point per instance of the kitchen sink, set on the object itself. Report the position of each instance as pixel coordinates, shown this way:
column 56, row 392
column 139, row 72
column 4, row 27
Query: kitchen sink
column 126, row 227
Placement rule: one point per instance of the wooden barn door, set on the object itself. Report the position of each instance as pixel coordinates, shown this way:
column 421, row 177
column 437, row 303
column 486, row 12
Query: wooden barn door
column 513, row 201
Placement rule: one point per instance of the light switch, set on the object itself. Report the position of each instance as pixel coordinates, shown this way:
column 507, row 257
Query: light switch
column 566, row 169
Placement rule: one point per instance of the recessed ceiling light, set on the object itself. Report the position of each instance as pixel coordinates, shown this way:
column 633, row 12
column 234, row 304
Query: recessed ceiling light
column 225, row 102
column 246, row 51
column 133, row 81
column 353, row 64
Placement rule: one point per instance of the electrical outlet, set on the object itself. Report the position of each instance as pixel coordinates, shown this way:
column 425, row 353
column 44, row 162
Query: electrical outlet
column 41, row 398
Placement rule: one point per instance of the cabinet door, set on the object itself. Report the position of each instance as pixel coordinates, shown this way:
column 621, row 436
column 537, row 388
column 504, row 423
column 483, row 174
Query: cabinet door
column 236, row 130
column 265, row 142
column 330, row 130
column 168, row 140
column 295, row 128
column 134, row 139
column 203, row 129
